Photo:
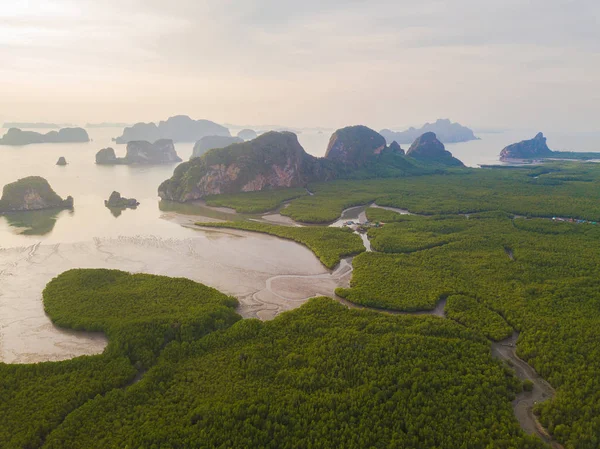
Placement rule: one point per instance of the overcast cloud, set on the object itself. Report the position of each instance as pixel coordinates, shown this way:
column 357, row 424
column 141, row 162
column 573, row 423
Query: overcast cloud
column 533, row 64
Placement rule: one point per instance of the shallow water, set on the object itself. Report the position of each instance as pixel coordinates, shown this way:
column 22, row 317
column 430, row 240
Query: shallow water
column 237, row 263
column 35, row 247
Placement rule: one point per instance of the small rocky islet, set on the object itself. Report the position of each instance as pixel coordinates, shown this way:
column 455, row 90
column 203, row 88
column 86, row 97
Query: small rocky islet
column 30, row 194
column 118, row 202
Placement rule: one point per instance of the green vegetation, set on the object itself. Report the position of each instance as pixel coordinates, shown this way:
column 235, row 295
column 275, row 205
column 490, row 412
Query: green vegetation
column 557, row 189
column 415, row 234
column 321, row 376
column 153, row 310
column 541, row 276
column 255, row 202
column 330, row 245
column 471, row 313
column 141, row 314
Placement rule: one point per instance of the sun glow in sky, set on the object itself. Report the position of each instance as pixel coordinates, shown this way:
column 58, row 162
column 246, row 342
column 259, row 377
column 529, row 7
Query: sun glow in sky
column 316, row 63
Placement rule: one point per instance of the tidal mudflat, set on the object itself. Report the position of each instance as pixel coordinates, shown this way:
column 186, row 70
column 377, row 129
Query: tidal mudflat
column 268, row 275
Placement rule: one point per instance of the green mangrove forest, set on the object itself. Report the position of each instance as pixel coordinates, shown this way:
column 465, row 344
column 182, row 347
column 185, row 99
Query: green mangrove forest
column 505, row 249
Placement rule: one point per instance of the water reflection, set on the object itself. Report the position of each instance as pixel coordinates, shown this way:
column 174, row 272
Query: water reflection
column 37, row 222
column 115, row 211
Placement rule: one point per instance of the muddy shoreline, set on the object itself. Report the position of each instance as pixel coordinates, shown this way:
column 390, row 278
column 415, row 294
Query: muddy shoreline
column 266, row 274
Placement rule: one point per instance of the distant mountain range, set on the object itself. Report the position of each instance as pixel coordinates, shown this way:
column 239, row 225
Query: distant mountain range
column 444, row 129
column 107, row 125
column 36, row 125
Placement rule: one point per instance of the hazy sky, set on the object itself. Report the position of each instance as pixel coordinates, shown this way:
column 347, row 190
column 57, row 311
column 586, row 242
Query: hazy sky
column 515, row 63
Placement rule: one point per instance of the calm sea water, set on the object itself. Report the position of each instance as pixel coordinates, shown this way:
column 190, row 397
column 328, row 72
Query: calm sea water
column 91, row 184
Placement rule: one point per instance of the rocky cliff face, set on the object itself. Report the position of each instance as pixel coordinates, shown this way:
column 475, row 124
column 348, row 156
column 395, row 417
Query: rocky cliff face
column 15, row 136
column 272, row 160
column 276, row 159
column 180, row 128
column 527, row 149
column 141, row 152
column 31, row 193
column 212, row 142
column 428, row 148
column 354, row 145
column 444, row 129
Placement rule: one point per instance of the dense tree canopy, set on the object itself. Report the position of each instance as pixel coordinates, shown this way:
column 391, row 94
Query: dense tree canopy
column 140, row 314
column 321, row 376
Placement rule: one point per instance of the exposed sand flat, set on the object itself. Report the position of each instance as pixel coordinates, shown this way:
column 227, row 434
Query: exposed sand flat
column 268, row 275
column 280, row 219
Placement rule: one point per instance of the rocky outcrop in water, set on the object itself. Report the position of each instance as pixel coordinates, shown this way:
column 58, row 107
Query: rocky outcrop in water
column 117, row 201
column 180, row 128
column 535, row 148
column 247, row 134
column 141, row 152
column 273, row 160
column 444, row 129
column 428, row 148
column 106, row 156
column 15, row 136
column 61, row 161
column 212, row 142
column 354, row 145
column 31, row 193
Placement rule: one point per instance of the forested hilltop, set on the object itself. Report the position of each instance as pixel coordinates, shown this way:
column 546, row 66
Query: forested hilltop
column 507, row 250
